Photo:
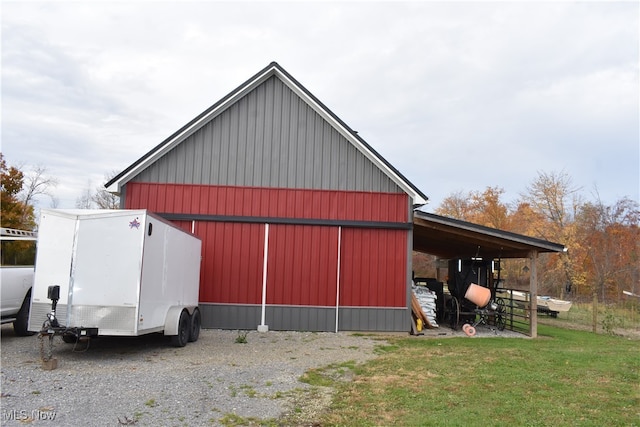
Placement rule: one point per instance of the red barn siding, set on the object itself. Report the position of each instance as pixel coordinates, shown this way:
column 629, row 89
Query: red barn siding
column 231, row 262
column 373, row 265
column 183, row 225
column 302, row 265
column 267, row 202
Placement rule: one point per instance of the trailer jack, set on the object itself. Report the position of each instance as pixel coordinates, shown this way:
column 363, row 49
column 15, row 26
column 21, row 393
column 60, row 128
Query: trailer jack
column 52, row 327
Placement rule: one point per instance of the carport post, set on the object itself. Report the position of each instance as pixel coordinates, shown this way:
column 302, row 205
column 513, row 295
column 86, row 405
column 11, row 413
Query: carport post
column 533, row 291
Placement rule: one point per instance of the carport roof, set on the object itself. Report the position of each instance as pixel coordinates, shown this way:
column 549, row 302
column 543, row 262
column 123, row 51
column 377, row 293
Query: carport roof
column 451, row 238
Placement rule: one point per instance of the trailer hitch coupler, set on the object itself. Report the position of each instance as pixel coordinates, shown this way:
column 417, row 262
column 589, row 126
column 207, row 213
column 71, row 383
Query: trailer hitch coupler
column 53, row 293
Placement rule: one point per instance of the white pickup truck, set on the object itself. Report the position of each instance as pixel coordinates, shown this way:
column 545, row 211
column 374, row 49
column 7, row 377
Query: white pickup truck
column 17, row 264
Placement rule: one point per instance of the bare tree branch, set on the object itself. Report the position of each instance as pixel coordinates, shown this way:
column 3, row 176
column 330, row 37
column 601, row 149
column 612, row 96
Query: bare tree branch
column 103, row 199
column 37, row 183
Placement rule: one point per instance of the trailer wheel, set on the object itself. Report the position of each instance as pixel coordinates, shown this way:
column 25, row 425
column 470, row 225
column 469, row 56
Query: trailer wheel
column 184, row 326
column 69, row 338
column 195, row 326
column 454, row 313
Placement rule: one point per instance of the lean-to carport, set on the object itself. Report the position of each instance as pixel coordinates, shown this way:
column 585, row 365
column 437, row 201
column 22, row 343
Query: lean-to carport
column 450, row 238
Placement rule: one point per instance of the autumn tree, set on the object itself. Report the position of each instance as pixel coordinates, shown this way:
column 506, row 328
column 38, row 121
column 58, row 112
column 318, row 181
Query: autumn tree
column 553, row 198
column 20, row 192
column 611, row 250
column 456, row 206
column 525, row 220
column 483, row 208
column 15, row 213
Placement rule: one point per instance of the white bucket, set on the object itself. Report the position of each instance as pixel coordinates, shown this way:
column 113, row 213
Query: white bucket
column 479, row 295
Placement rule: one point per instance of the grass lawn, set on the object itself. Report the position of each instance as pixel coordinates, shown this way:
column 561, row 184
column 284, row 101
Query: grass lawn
column 562, row 378
column 610, row 319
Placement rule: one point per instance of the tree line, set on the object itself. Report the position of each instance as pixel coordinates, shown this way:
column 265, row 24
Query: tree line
column 602, row 240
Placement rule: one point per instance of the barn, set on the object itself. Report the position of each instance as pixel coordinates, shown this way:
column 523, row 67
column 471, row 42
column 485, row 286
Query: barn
column 304, row 225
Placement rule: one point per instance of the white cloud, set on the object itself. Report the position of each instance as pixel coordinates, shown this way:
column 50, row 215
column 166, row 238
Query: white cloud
column 607, row 96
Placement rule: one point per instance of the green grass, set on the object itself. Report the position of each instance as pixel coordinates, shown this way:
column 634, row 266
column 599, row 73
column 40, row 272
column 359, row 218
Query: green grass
column 329, row 375
column 231, row 419
column 249, row 390
column 242, row 337
column 562, row 378
column 151, row 403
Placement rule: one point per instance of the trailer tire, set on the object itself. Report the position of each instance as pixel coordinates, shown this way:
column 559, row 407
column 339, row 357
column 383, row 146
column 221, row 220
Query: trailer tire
column 21, row 324
column 184, row 330
column 194, row 332
column 69, row 338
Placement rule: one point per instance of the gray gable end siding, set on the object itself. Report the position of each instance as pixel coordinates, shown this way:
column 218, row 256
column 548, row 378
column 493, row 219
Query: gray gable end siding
column 269, row 138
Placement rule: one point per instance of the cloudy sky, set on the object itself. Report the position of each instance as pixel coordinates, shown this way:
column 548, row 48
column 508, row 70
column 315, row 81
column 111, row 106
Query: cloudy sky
column 456, row 95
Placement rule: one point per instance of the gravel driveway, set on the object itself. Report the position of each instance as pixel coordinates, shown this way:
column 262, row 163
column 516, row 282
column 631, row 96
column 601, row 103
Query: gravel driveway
column 145, row 382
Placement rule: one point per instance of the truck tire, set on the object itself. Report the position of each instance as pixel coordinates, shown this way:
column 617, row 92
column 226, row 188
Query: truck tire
column 21, row 323
column 195, row 326
column 184, row 330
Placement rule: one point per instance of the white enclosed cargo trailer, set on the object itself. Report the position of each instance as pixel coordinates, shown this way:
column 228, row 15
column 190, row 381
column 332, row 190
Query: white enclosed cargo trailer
column 119, row 272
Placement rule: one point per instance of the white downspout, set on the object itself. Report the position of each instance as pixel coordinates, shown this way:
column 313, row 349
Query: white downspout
column 262, row 327
column 338, row 277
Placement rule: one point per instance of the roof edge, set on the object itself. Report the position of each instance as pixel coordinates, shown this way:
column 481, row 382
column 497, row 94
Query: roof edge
column 494, row 232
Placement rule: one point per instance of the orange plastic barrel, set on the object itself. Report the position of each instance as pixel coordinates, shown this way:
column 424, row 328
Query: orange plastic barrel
column 479, row 295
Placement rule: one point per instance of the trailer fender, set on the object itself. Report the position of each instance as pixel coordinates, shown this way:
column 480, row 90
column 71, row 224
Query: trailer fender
column 173, row 318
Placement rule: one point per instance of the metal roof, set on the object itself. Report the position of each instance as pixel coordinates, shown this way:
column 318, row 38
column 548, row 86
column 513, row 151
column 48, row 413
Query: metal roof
column 452, row 238
column 115, row 184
